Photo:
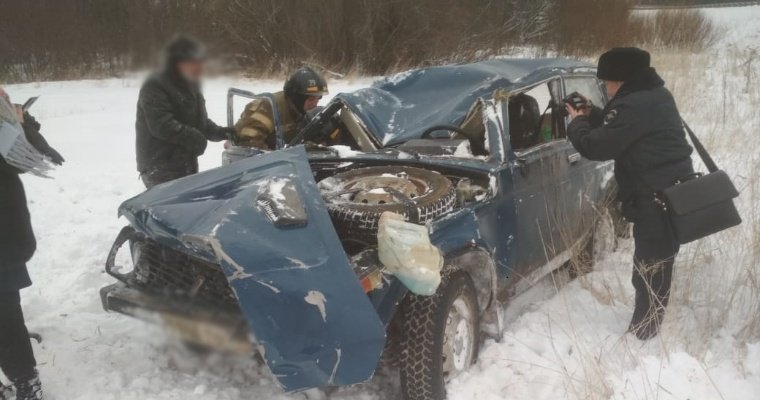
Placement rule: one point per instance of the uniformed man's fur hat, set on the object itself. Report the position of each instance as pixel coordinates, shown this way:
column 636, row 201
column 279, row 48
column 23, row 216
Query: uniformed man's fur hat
column 622, row 63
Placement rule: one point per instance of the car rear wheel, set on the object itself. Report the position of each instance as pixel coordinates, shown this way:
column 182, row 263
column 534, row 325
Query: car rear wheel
column 601, row 241
column 442, row 337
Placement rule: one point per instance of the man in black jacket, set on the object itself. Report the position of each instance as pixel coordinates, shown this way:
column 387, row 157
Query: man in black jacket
column 641, row 129
column 17, row 245
column 172, row 124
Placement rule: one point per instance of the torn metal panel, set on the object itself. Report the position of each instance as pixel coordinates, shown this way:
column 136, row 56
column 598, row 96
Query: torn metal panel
column 302, row 302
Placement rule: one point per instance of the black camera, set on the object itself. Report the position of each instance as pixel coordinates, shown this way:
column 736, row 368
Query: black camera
column 576, row 100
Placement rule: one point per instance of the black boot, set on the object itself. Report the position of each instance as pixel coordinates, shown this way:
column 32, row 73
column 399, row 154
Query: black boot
column 29, row 388
column 652, row 275
column 647, row 312
column 647, row 326
column 6, row 392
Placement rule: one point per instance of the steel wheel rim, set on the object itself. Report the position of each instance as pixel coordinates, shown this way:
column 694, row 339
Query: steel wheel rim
column 378, row 190
column 458, row 340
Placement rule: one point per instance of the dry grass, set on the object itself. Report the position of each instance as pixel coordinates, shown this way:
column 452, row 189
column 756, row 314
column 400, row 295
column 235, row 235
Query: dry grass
column 720, row 273
column 685, row 29
column 714, row 311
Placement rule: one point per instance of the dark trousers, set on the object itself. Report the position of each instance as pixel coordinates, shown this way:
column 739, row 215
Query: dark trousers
column 656, row 249
column 150, row 181
column 16, row 357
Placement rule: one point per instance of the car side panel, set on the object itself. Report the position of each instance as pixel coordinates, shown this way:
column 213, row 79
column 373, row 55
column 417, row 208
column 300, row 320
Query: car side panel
column 489, row 227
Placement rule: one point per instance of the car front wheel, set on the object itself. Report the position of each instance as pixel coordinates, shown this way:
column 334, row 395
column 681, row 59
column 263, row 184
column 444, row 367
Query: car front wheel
column 441, row 337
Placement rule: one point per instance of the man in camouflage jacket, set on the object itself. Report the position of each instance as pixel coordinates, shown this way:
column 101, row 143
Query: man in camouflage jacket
column 301, row 94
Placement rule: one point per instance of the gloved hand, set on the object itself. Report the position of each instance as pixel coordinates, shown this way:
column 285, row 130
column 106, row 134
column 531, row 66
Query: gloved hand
column 577, row 101
column 328, row 129
column 55, row 156
column 196, row 143
column 35, row 138
column 230, row 134
column 577, row 104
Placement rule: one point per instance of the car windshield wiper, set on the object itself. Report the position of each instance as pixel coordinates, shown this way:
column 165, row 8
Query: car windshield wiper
column 318, row 148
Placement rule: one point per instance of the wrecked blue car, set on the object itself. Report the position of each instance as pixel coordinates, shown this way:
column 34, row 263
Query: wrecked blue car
column 279, row 253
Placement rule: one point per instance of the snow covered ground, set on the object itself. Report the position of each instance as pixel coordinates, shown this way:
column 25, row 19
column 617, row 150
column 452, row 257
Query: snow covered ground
column 564, row 340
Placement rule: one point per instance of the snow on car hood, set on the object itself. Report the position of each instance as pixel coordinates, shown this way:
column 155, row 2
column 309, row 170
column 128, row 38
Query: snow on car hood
column 399, row 108
column 263, row 220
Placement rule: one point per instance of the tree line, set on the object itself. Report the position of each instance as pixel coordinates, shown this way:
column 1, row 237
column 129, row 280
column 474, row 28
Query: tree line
column 686, row 2
column 69, row 39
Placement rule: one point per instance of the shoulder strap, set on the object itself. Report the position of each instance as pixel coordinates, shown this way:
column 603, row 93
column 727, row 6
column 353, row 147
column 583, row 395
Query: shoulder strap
column 703, row 154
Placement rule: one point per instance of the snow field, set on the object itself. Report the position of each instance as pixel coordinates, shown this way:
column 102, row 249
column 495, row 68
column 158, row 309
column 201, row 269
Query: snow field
column 564, row 340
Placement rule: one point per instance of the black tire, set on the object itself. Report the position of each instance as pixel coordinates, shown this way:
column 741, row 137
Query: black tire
column 622, row 227
column 425, row 320
column 359, row 222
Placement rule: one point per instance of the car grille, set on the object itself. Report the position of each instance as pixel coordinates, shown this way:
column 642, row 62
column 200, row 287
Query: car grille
column 163, row 270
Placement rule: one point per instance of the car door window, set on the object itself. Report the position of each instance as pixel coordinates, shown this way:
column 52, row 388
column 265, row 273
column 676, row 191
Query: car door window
column 587, row 86
column 532, row 117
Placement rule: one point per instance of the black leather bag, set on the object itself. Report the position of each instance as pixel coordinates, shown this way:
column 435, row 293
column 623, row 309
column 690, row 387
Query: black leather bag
column 701, row 205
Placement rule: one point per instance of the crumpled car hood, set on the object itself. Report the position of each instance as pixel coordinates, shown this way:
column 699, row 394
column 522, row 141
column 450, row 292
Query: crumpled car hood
column 295, row 285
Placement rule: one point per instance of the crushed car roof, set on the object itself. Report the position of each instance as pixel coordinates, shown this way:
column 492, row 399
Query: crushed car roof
column 402, row 106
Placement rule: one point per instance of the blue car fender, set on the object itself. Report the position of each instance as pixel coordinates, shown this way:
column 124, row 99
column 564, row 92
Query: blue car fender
column 263, row 220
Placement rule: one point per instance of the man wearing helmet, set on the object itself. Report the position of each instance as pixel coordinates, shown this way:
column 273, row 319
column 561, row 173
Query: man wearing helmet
column 301, row 94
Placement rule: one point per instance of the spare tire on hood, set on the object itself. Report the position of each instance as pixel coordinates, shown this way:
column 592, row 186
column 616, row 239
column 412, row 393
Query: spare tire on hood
column 356, row 199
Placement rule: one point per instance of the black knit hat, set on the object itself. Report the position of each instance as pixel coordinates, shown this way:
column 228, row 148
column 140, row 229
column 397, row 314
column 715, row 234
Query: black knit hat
column 622, row 63
column 185, row 48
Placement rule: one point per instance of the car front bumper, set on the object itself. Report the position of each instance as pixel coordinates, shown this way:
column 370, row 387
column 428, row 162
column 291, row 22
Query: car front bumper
column 220, row 330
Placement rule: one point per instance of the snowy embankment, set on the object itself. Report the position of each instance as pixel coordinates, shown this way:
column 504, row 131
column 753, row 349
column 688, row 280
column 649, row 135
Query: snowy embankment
column 569, row 342
column 563, row 340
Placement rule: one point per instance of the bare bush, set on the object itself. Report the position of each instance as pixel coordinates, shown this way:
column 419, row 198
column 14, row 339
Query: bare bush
column 89, row 38
column 587, row 26
column 681, row 29
column 378, row 37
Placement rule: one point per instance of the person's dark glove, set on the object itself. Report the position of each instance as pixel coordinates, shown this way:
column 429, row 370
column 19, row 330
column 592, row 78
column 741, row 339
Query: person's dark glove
column 327, row 130
column 230, row 133
column 32, row 133
column 196, row 144
column 577, row 101
column 30, row 122
column 55, row 156
column 35, row 138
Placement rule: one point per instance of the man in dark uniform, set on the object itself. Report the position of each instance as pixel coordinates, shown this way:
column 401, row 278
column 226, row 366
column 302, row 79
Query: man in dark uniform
column 300, row 95
column 17, row 245
column 172, row 124
column 641, row 129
